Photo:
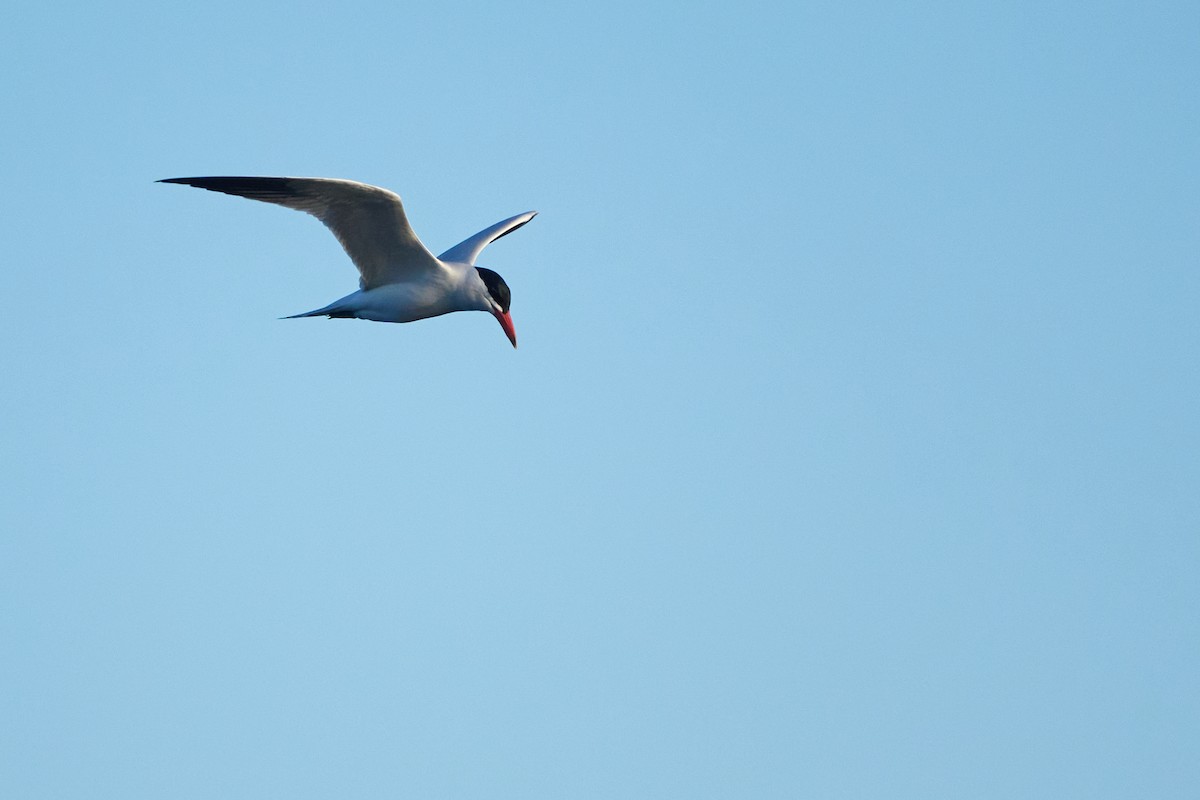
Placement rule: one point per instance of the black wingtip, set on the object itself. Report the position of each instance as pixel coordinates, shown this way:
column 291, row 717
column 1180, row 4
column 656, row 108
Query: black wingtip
column 516, row 227
column 256, row 188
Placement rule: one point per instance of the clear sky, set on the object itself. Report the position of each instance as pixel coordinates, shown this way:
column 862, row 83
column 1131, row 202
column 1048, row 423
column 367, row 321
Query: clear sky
column 851, row 449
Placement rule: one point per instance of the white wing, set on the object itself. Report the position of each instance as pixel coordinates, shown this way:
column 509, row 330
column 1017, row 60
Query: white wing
column 367, row 220
column 468, row 250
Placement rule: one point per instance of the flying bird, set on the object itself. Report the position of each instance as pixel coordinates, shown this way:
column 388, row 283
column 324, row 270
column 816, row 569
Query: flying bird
column 400, row 280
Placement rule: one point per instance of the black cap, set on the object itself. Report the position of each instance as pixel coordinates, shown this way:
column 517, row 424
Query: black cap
column 496, row 287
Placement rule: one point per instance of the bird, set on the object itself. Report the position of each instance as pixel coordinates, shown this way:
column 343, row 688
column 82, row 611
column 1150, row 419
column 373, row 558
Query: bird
column 400, row 280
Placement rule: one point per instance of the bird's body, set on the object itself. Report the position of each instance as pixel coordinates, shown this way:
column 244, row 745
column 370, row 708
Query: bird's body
column 400, row 280
column 437, row 292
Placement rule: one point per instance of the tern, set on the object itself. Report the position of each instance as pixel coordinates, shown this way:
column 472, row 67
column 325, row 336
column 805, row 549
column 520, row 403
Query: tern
column 400, row 279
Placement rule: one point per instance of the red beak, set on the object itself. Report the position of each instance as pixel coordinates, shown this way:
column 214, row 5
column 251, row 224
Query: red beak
column 506, row 323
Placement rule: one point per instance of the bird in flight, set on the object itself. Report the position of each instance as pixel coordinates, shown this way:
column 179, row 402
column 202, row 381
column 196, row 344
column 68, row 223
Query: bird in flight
column 400, row 280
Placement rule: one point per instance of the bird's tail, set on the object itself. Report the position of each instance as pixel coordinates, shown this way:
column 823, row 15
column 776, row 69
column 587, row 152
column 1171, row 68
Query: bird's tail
column 333, row 311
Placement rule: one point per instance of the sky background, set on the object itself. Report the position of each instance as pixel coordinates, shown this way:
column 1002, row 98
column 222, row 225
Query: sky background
column 850, row 451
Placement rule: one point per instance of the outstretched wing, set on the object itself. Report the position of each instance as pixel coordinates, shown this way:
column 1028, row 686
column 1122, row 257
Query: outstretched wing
column 367, row 220
column 468, row 250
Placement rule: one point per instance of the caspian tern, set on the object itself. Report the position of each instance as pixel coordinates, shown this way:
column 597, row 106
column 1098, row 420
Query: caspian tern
column 400, row 280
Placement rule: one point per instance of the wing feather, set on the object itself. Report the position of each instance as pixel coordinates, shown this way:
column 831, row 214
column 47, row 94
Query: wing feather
column 468, row 250
column 368, row 221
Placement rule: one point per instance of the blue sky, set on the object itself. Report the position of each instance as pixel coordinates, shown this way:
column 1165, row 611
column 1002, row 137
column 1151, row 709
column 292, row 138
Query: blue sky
column 850, row 449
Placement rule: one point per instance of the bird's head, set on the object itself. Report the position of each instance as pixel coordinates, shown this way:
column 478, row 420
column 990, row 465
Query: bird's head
column 499, row 297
